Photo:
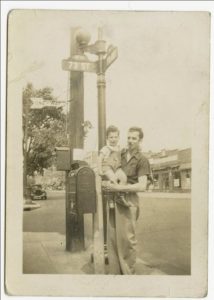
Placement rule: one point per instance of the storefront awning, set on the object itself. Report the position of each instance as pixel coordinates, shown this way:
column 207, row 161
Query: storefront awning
column 185, row 166
column 164, row 166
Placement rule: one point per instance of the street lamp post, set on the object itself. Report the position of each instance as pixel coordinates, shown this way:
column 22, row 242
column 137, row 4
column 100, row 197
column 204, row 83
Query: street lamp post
column 78, row 63
column 101, row 86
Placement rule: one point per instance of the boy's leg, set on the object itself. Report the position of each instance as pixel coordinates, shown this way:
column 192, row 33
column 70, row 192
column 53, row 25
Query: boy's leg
column 112, row 178
column 121, row 179
column 120, row 176
column 111, row 175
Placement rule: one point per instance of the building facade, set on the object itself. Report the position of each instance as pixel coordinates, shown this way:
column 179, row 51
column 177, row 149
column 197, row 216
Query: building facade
column 171, row 170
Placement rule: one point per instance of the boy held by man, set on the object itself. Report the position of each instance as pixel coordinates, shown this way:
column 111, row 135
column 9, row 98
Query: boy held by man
column 109, row 165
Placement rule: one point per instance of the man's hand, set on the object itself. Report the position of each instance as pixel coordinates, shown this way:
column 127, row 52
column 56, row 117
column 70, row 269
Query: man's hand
column 140, row 186
column 113, row 187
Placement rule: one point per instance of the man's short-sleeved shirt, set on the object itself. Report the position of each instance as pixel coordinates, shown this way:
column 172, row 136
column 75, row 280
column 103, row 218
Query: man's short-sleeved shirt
column 137, row 166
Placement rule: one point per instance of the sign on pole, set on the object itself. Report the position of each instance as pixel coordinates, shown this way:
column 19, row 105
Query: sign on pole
column 87, row 66
column 111, row 57
column 69, row 65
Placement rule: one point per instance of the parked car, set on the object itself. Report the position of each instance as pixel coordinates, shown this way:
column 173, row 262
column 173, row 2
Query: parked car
column 38, row 193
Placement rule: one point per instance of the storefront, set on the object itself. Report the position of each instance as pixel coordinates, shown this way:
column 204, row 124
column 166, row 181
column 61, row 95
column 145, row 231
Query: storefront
column 172, row 171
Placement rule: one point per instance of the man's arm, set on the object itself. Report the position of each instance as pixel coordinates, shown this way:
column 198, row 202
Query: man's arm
column 140, row 186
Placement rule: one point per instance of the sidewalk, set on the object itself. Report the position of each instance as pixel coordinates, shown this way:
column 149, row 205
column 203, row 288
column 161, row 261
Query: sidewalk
column 31, row 206
column 44, row 253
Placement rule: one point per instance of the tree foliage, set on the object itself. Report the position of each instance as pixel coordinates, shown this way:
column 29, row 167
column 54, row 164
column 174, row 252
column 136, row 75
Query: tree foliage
column 43, row 129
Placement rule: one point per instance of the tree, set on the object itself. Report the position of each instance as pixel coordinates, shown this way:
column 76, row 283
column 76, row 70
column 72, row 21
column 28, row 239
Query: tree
column 43, row 129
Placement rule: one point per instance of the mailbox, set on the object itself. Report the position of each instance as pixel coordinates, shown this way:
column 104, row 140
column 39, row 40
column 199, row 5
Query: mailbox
column 82, row 191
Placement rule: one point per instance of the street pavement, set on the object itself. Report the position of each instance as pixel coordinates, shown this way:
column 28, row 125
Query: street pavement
column 163, row 234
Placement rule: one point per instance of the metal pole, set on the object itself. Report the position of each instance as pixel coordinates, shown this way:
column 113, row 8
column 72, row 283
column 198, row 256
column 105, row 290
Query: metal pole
column 101, row 89
column 101, row 86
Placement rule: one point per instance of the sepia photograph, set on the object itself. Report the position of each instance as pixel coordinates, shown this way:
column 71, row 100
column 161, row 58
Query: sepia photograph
column 107, row 153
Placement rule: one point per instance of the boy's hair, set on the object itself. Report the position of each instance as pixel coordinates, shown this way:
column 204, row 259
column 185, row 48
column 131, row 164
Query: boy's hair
column 139, row 130
column 110, row 129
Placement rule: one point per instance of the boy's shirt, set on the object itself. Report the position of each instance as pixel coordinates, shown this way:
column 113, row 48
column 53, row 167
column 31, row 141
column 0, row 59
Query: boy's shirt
column 107, row 150
column 111, row 156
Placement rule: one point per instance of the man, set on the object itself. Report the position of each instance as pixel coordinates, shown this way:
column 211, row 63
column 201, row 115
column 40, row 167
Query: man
column 121, row 221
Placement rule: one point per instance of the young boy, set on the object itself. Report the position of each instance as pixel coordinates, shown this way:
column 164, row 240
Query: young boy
column 110, row 160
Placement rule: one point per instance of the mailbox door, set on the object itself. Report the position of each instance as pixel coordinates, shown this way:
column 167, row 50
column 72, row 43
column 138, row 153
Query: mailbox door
column 86, row 191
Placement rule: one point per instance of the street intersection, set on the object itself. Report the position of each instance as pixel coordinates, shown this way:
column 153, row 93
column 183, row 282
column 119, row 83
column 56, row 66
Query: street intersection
column 163, row 234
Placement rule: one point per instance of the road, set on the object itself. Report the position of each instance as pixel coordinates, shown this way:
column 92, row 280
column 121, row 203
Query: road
column 50, row 217
column 163, row 229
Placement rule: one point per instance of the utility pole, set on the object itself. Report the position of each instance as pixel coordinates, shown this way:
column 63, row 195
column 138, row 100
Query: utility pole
column 74, row 222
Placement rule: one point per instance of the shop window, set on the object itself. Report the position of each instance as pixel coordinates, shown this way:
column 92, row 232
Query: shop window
column 177, row 180
column 165, row 181
column 156, row 180
column 188, row 174
column 188, row 178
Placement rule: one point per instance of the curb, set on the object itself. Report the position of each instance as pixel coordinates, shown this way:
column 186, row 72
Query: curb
column 31, row 206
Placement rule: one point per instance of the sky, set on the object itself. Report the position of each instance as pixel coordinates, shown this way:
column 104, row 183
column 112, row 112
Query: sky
column 161, row 70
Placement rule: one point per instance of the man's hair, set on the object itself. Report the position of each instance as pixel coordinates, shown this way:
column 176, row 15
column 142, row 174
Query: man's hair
column 139, row 130
column 112, row 128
